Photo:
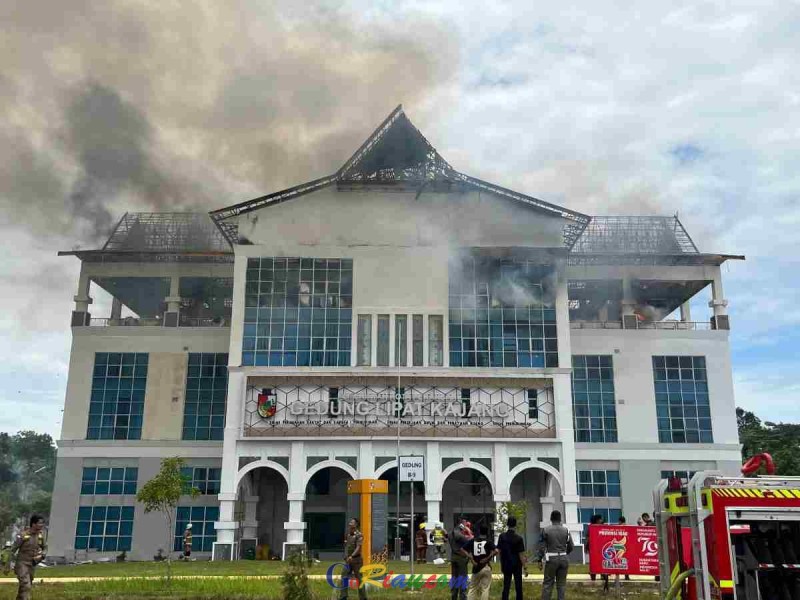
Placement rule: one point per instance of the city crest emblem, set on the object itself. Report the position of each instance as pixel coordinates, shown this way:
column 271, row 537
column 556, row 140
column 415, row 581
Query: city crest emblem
column 267, row 404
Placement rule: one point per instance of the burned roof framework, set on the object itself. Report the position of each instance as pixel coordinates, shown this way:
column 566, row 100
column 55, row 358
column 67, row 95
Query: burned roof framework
column 162, row 237
column 398, row 152
column 398, row 156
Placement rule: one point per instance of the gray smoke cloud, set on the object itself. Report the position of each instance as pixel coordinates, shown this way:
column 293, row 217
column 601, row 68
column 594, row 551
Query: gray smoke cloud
column 122, row 106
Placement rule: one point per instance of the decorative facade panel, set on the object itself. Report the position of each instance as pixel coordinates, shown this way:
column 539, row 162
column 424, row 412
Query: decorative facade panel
column 277, row 408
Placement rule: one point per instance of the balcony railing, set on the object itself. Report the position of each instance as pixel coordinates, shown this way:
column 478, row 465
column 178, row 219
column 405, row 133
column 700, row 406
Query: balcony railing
column 153, row 322
column 661, row 325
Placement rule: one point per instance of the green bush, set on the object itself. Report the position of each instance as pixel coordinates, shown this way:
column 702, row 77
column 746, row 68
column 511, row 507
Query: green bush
column 295, row 578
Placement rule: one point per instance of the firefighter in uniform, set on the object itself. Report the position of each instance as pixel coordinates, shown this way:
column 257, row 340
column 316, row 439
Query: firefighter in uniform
column 5, row 557
column 187, row 542
column 28, row 550
column 439, row 540
column 555, row 545
column 353, row 544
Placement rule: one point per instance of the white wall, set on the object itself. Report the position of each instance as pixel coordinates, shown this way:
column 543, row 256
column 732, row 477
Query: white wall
column 632, row 352
column 385, row 218
column 86, row 341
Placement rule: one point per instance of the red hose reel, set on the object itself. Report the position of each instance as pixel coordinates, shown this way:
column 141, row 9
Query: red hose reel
column 753, row 464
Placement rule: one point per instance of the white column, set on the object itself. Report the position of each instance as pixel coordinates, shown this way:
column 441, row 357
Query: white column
column 250, row 524
column 686, row 313
column 433, row 473
column 548, row 504
column 563, row 403
column 562, row 317
column 174, row 299
column 718, row 303
column 628, row 301
column 366, row 461
column 116, row 309
column 81, row 316
column 226, row 526
column 173, row 303
column 629, row 320
column 434, row 511
column 295, row 526
column 501, row 485
column 82, row 298
column 233, row 427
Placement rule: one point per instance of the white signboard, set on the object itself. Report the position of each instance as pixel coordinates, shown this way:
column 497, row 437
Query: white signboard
column 412, row 468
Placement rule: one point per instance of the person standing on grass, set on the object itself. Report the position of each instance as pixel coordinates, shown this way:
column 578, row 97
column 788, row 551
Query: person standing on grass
column 512, row 559
column 28, row 550
column 353, row 544
column 555, row 545
column 458, row 561
column 421, row 543
column 439, row 540
column 187, row 542
column 480, row 551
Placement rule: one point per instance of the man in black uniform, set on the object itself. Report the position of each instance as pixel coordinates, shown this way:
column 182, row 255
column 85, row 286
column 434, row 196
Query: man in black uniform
column 512, row 559
column 554, row 547
column 458, row 562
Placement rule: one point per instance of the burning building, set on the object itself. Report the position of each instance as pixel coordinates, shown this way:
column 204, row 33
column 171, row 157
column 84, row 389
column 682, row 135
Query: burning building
column 288, row 344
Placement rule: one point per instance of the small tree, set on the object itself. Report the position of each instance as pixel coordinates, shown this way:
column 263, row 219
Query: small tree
column 518, row 510
column 295, row 577
column 162, row 493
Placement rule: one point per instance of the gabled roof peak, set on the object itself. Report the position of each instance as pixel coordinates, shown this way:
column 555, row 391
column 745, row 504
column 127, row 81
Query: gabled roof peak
column 397, row 152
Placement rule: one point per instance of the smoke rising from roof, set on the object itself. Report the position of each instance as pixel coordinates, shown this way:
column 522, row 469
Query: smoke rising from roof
column 117, row 107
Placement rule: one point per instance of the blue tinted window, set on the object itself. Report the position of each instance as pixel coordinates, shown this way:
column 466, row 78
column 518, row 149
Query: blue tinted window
column 202, row 519
column 114, row 399
column 206, row 480
column 298, row 312
column 105, row 529
column 101, row 481
column 206, row 392
column 501, row 314
column 594, row 410
column 599, row 484
column 682, row 404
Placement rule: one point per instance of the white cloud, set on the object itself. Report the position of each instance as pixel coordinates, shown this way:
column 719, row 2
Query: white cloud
column 582, row 104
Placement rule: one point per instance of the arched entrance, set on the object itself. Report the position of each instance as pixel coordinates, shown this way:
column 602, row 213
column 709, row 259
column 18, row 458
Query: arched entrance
column 540, row 489
column 325, row 509
column 262, row 507
column 405, row 526
column 467, row 491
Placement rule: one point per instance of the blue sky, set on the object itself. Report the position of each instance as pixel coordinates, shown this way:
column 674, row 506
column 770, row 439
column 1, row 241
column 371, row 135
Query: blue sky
column 688, row 108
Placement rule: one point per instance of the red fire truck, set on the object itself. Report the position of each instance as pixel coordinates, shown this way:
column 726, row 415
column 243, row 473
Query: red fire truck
column 729, row 537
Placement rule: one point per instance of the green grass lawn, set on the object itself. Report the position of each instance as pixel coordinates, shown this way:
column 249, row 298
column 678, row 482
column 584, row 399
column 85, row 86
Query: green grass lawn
column 239, row 567
column 236, row 588
column 235, row 580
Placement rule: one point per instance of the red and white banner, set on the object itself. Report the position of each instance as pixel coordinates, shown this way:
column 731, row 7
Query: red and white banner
column 623, row 549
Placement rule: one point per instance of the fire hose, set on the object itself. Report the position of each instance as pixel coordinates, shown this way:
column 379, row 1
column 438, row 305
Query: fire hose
column 754, row 464
column 676, row 585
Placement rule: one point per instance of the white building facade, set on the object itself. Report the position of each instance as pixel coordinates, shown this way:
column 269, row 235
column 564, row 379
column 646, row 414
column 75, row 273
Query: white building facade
column 286, row 344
